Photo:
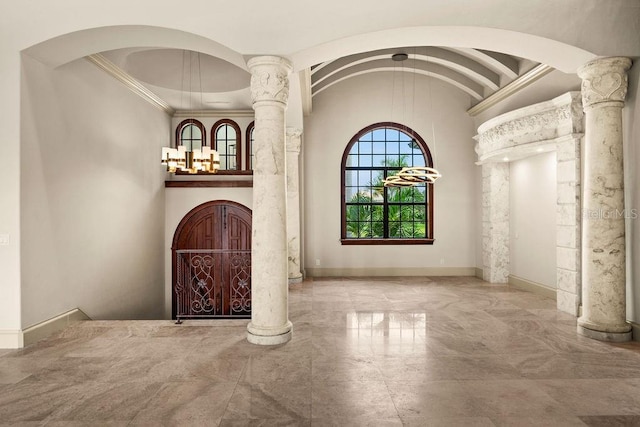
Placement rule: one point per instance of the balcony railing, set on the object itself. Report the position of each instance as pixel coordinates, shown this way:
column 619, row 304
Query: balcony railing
column 212, row 284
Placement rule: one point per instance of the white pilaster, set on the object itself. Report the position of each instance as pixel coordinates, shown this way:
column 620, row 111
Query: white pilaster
column 293, row 204
column 495, row 222
column 269, row 278
column 568, row 220
column 604, row 88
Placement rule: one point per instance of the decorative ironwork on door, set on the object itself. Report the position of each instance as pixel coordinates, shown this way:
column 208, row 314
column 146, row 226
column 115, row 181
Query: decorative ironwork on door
column 213, row 284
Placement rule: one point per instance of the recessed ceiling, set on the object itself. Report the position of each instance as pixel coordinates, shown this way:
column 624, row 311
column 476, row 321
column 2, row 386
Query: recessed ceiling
column 185, row 70
column 186, row 80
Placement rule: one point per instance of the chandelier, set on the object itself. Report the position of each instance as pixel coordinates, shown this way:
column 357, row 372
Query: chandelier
column 183, row 158
column 412, row 176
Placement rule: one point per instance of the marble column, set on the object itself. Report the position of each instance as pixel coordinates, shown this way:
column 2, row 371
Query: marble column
column 495, row 222
column 270, row 323
column 293, row 204
column 604, row 87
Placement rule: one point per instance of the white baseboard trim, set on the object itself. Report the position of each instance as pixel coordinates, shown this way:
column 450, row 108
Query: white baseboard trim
column 635, row 331
column 11, row 338
column 533, row 287
column 479, row 273
column 44, row 329
column 390, row 272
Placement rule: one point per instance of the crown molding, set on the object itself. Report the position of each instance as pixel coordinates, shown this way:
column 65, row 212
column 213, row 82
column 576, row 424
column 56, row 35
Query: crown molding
column 512, row 88
column 213, row 113
column 131, row 83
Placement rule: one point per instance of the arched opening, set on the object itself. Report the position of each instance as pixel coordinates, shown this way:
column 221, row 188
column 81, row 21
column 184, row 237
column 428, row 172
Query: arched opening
column 211, row 262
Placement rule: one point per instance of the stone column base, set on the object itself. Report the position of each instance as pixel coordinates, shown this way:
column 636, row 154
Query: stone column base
column 294, row 280
column 263, row 337
column 604, row 336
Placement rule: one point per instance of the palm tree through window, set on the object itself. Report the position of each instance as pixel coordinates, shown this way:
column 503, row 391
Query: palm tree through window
column 372, row 213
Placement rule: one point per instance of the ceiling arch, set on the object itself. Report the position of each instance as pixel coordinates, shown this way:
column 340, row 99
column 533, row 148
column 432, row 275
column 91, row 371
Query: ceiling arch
column 556, row 54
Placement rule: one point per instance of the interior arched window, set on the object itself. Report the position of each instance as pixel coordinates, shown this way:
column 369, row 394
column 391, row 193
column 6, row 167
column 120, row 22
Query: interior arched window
column 191, row 134
column 249, row 136
column 372, row 213
column 226, row 134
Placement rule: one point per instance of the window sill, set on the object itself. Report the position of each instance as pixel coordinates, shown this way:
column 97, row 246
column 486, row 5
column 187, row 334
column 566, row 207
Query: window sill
column 387, row 241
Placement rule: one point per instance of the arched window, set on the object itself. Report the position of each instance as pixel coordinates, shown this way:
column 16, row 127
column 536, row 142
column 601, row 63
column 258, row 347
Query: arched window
column 191, row 134
column 372, row 213
column 226, row 134
column 249, row 136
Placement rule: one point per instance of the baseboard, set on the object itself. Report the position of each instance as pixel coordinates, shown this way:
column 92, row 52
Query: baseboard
column 533, row 287
column 479, row 273
column 635, row 328
column 390, row 272
column 44, row 329
column 11, row 339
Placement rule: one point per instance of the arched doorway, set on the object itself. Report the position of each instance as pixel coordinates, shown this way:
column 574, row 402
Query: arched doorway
column 211, row 262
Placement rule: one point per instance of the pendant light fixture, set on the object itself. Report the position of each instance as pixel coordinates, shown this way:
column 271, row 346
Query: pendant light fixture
column 412, row 176
column 186, row 159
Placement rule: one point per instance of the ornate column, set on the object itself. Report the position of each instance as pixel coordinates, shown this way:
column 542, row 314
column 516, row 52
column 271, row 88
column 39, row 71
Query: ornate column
column 604, row 87
column 495, row 222
column 293, row 204
column 269, row 312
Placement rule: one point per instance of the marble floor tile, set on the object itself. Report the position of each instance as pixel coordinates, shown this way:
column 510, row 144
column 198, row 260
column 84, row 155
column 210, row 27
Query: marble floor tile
column 433, row 399
column 526, row 421
column 276, row 400
column 333, row 369
column 366, row 351
column 512, row 398
column 447, row 422
column 355, row 400
column 106, row 402
column 266, row 423
column 612, row 421
column 341, row 422
column 187, row 403
column 583, row 397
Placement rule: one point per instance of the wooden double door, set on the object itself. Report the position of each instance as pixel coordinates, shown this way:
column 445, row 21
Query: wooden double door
column 211, row 255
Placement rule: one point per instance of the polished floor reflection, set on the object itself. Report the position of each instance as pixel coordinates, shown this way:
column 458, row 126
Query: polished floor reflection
column 366, row 352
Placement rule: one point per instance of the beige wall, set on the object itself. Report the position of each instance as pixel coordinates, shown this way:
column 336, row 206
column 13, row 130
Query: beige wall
column 92, row 196
column 532, row 216
column 339, row 113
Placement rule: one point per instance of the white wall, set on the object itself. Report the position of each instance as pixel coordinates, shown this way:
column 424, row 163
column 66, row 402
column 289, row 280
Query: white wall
column 92, row 196
column 338, row 114
column 533, row 219
column 178, row 202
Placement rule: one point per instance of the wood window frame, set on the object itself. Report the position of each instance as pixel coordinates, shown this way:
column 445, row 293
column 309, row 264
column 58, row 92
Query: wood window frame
column 195, row 122
column 214, row 143
column 429, row 239
column 249, row 145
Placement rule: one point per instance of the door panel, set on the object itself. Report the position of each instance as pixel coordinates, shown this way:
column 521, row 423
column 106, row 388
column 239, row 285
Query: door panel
column 212, row 262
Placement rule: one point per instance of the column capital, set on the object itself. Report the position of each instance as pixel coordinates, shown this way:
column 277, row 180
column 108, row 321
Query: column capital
column 269, row 79
column 604, row 80
column 293, row 140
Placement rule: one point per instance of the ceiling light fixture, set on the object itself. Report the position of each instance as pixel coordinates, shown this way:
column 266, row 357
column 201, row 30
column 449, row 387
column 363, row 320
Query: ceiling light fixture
column 183, row 158
column 412, row 176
